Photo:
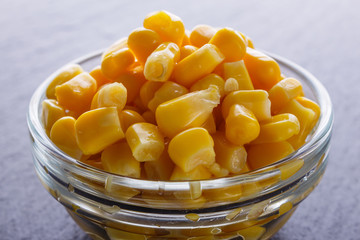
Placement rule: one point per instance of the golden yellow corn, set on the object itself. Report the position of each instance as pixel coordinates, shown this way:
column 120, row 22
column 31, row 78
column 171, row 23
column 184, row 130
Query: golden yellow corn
column 227, row 194
column 149, row 116
column 282, row 92
column 311, row 105
column 117, row 62
column 186, row 111
column 217, row 170
column 169, row 90
column 197, row 65
column 255, row 100
column 128, row 118
column 169, row 26
column 110, row 95
column 99, row 77
column 186, row 39
column 63, row 75
column 290, row 168
column 261, row 155
column 191, row 148
column 187, row 50
column 210, row 79
column 252, row 233
column 97, row 129
column 146, row 141
column 201, row 35
column 238, row 71
column 119, row 44
column 62, row 134
column 118, row 159
column 230, row 43
column 160, row 169
column 241, row 125
column 248, row 40
column 147, row 91
column 228, row 155
column 143, row 42
column 279, row 128
column 210, row 124
column 51, row 112
column 198, row 173
column 231, row 85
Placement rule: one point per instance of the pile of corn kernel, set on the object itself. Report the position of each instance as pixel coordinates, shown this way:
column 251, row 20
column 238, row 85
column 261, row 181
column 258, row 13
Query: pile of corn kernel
column 171, row 104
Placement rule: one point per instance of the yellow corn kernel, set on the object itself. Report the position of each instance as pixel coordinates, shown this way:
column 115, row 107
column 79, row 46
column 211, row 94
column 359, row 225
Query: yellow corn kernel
column 197, row 65
column 132, row 80
column 160, row 169
column 210, row 79
column 118, row 159
column 169, row 90
column 278, row 128
column 186, row 51
column 147, row 91
column 186, row 111
column 63, row 75
column 261, row 155
column 169, row 26
column 145, row 141
column 128, row 118
column 282, row 92
column 241, row 125
column 230, row 43
column 198, row 173
column 117, row 62
column 290, row 168
column 51, row 112
column 119, row 44
column 132, row 108
column 228, row 155
column 77, row 93
column 307, row 119
column 110, row 95
column 62, row 134
column 210, row 124
column 263, row 70
column 139, row 105
column 99, row 77
column 227, row 194
column 256, row 101
column 248, row 41
column 230, row 85
column 97, row 129
column 218, row 171
column 149, row 116
column 160, row 64
column 311, row 105
column 201, row 35
column 238, row 71
column 252, row 233
column 191, row 148
column 143, row 42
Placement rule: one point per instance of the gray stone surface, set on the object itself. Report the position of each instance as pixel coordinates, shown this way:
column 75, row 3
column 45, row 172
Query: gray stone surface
column 37, row 37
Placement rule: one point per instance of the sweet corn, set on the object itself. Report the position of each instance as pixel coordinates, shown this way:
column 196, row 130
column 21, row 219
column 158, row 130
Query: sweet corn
column 186, row 111
column 210, row 79
column 117, row 62
column 228, row 194
column 290, row 168
column 143, row 42
column 99, row 77
column 198, row 173
column 311, row 105
column 51, row 112
column 160, row 64
column 149, row 116
column 249, row 43
column 210, row 124
column 230, row 43
column 256, row 101
column 197, row 65
column 62, row 134
column 191, row 148
column 282, row 92
column 132, row 80
column 119, row 44
column 217, row 170
column 63, row 75
column 186, row 39
column 128, row 118
column 110, row 95
column 97, row 129
column 263, row 70
column 160, row 169
column 187, row 50
column 241, row 125
column 77, row 93
column 201, row 35
column 279, row 128
column 169, row 90
column 231, row 85
column 118, row 159
column 261, row 155
column 228, row 155
column 145, row 141
column 147, row 91
column 238, row 71
column 252, row 233
column 169, row 26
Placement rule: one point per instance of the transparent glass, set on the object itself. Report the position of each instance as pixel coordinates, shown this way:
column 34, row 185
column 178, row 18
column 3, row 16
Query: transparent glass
column 249, row 206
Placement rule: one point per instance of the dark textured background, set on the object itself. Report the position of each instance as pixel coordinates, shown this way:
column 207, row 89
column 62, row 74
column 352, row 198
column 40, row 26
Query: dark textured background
column 37, row 37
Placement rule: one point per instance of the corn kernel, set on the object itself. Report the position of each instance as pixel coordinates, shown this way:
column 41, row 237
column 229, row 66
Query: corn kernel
column 63, row 75
column 119, row 44
column 263, row 70
column 117, row 62
column 197, row 65
column 230, row 85
column 256, row 101
column 186, row 111
column 62, row 134
column 191, row 148
column 132, row 80
column 230, row 43
column 147, row 91
column 143, row 42
column 149, row 116
column 97, row 129
column 110, row 95
column 186, row 51
column 228, row 155
column 51, row 112
column 261, row 155
column 227, row 194
column 169, row 26
column 217, row 170
column 210, row 79
column 77, row 93
column 198, row 173
column 128, row 118
column 99, row 77
column 210, row 124
column 169, row 90
column 160, row 64
column 311, row 105
column 160, row 169
column 252, row 233
column 290, row 168
column 238, row 71
column 145, row 141
column 248, row 41
column 201, row 35
column 241, row 125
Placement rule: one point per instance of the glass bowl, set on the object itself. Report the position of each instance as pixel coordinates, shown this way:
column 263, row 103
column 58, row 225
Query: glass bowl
column 252, row 206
